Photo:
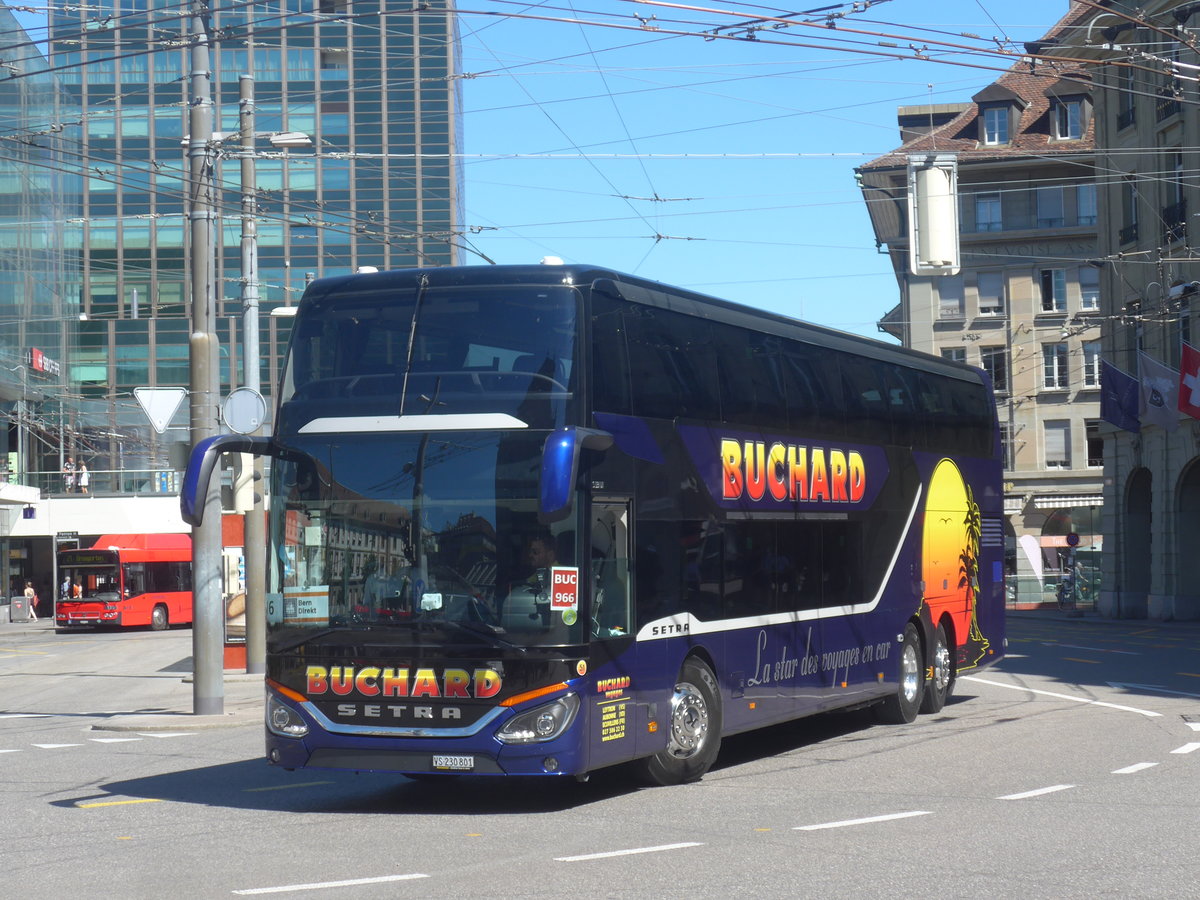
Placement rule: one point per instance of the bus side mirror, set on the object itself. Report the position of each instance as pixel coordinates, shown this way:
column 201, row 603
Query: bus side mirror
column 560, row 469
column 203, row 460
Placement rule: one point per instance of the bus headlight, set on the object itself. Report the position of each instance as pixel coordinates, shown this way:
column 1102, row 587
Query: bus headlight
column 283, row 720
column 542, row 723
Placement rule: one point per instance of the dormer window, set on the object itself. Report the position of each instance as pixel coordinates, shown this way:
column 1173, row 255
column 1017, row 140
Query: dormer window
column 1068, row 120
column 1000, row 111
column 995, row 125
column 1070, row 107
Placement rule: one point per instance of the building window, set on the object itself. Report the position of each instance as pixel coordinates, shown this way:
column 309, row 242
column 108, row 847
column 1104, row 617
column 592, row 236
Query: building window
column 1129, row 212
column 989, row 215
column 994, row 361
column 1057, row 443
column 950, row 294
column 1068, row 120
column 1095, row 445
column 1054, row 290
column 995, row 125
column 1085, row 204
column 1126, row 115
column 991, row 293
column 955, row 354
column 1091, row 364
column 1089, row 288
column 1054, row 366
column 1006, row 448
column 1050, row 207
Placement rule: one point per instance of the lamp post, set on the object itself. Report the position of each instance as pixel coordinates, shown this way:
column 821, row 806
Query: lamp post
column 254, row 541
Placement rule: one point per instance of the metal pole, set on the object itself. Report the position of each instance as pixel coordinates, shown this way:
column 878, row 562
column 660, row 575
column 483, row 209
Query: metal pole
column 254, row 530
column 208, row 632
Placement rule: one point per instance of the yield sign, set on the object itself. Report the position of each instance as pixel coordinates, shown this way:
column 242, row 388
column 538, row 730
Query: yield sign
column 159, row 404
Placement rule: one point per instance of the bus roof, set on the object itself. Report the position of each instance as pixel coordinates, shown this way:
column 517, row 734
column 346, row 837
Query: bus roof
column 143, row 542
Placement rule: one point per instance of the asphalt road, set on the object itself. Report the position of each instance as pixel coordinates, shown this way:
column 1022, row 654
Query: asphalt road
column 1072, row 770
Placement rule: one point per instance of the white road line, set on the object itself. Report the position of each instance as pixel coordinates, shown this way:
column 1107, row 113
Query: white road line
column 10, row 751
column 1136, row 767
column 1186, row 748
column 1195, row 726
column 867, row 821
column 166, row 734
column 1037, row 793
column 25, row 716
column 113, row 740
column 55, row 746
column 1028, row 690
column 632, row 852
column 320, row 885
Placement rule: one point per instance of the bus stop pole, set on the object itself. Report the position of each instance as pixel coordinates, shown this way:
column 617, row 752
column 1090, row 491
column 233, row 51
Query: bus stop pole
column 208, row 623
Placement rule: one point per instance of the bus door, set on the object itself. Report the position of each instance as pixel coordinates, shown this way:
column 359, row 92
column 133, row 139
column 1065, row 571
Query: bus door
column 613, row 717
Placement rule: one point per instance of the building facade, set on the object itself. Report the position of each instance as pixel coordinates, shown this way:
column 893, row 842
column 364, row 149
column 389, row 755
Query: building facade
column 101, row 283
column 372, row 87
column 1025, row 305
column 1147, row 123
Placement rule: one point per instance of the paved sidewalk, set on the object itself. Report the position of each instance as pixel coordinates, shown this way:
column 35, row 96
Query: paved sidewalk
column 243, row 704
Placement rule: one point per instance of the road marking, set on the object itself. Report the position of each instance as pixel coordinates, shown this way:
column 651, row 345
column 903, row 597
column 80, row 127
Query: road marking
column 1189, row 674
column 1195, row 726
column 1094, row 662
column 113, row 740
column 25, row 716
column 55, row 746
column 1037, row 793
column 1136, row 767
column 1017, row 687
column 10, row 751
column 1187, row 748
column 1092, row 649
column 1156, row 688
column 118, row 802
column 284, row 787
column 634, row 851
column 316, row 886
column 166, row 734
column 868, row 821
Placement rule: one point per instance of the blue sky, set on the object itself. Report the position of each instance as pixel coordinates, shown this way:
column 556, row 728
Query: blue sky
column 721, row 165
column 749, row 147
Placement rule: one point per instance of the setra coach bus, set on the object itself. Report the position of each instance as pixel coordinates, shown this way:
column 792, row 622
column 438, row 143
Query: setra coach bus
column 541, row 520
column 128, row 580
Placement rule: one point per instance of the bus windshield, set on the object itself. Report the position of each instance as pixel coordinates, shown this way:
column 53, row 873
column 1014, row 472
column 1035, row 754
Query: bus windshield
column 94, row 572
column 399, row 348
column 421, row 537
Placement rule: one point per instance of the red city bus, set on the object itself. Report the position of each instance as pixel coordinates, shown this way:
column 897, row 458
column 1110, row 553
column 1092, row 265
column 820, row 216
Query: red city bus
column 128, row 579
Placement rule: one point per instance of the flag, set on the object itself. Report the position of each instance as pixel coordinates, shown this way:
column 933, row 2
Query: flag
column 1189, row 381
column 1160, row 385
column 1118, row 397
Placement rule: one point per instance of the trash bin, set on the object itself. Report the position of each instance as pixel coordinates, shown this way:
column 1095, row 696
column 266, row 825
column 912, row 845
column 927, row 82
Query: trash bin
column 18, row 609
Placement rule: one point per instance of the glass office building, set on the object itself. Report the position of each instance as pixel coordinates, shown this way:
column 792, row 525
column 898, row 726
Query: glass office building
column 39, row 271
column 373, row 85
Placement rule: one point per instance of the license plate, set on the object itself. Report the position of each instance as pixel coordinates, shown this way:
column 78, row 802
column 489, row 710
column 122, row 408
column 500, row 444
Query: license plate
column 457, row 763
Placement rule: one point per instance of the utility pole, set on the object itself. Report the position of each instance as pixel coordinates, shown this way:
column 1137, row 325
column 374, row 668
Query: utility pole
column 208, row 628
column 254, row 530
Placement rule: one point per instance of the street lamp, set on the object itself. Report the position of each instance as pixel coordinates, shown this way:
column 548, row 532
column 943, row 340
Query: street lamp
column 254, row 540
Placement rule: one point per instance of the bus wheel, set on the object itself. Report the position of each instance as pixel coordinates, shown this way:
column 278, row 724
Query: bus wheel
column 695, row 729
column 939, row 686
column 902, row 707
column 158, row 619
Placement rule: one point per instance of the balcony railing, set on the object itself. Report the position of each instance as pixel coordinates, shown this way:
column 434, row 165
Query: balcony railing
column 1129, row 234
column 103, row 482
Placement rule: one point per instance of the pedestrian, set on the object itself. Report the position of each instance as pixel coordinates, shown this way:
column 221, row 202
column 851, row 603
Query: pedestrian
column 64, row 590
column 69, row 475
column 31, row 601
column 83, row 476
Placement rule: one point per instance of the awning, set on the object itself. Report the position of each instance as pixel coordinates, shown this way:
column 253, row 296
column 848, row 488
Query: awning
column 1061, row 501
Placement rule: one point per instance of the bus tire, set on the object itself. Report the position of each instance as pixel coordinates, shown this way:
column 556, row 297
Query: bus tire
column 694, row 729
column 902, row 707
column 941, row 671
column 158, row 618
